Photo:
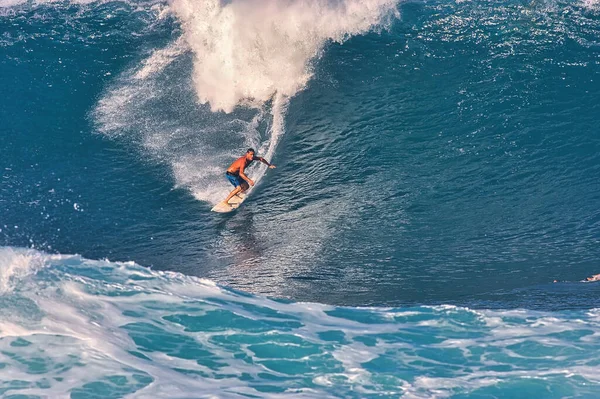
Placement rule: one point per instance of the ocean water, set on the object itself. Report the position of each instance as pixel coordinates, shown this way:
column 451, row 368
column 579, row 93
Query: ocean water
column 94, row 329
column 427, row 232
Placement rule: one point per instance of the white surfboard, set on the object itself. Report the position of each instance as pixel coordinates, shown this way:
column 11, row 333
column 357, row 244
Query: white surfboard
column 233, row 204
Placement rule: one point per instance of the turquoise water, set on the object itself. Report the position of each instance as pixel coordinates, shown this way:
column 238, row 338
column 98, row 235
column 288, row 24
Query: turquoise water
column 79, row 328
column 437, row 172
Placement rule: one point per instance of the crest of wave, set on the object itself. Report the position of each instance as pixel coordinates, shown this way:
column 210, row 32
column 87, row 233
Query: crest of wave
column 252, row 49
column 16, row 264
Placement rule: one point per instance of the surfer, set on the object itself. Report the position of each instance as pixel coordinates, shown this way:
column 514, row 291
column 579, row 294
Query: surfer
column 236, row 176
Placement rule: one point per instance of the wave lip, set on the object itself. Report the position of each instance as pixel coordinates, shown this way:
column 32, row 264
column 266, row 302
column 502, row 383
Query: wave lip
column 16, row 264
column 254, row 49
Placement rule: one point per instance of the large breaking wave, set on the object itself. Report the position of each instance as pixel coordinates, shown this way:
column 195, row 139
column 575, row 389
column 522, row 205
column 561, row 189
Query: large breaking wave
column 225, row 82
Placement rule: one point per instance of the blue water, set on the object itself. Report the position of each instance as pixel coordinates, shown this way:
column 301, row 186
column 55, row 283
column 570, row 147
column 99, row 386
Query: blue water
column 81, row 329
column 433, row 213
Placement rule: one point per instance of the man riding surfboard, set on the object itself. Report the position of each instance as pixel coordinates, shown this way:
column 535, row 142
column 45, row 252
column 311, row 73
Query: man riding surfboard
column 236, row 176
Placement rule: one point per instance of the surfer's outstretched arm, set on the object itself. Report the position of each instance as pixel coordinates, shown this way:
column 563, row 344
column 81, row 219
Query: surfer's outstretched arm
column 261, row 159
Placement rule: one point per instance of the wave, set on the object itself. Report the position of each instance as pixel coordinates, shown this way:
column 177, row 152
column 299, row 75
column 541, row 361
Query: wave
column 248, row 59
column 88, row 328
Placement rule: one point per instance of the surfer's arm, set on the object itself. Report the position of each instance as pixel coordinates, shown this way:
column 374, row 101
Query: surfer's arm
column 261, row 159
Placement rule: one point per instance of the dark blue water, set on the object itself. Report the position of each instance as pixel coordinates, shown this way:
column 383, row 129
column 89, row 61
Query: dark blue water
column 432, row 158
column 452, row 158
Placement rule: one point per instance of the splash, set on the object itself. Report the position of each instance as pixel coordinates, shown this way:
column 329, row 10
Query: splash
column 253, row 49
column 16, row 264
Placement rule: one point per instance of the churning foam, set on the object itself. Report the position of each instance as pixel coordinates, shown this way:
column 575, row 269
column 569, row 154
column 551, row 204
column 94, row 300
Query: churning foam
column 255, row 48
column 88, row 328
column 18, row 263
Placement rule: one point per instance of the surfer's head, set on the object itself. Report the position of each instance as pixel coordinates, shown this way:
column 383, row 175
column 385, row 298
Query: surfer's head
column 250, row 153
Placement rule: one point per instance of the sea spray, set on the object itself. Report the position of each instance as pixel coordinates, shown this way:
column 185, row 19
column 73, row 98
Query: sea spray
column 253, row 49
column 18, row 263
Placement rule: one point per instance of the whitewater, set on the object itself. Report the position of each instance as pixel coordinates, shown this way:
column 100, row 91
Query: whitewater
column 78, row 328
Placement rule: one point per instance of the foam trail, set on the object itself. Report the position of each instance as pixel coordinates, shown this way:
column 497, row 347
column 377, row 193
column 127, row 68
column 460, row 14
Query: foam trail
column 279, row 108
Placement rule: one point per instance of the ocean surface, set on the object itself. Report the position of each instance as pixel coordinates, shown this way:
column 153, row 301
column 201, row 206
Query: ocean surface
column 427, row 232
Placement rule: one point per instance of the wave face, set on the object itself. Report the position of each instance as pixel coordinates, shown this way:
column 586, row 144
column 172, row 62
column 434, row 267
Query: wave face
column 253, row 54
column 80, row 328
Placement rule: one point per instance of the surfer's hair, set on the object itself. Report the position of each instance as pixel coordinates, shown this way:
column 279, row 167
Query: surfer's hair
column 250, row 150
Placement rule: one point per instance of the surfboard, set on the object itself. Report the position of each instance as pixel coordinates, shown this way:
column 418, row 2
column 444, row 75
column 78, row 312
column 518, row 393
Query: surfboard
column 234, row 203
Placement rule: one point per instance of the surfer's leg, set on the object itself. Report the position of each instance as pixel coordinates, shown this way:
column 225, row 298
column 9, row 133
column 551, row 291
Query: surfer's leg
column 234, row 192
column 235, row 180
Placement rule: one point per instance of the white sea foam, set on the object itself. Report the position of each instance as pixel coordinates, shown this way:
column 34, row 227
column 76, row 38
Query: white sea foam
column 83, row 331
column 16, row 264
column 10, row 3
column 256, row 48
column 591, row 3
